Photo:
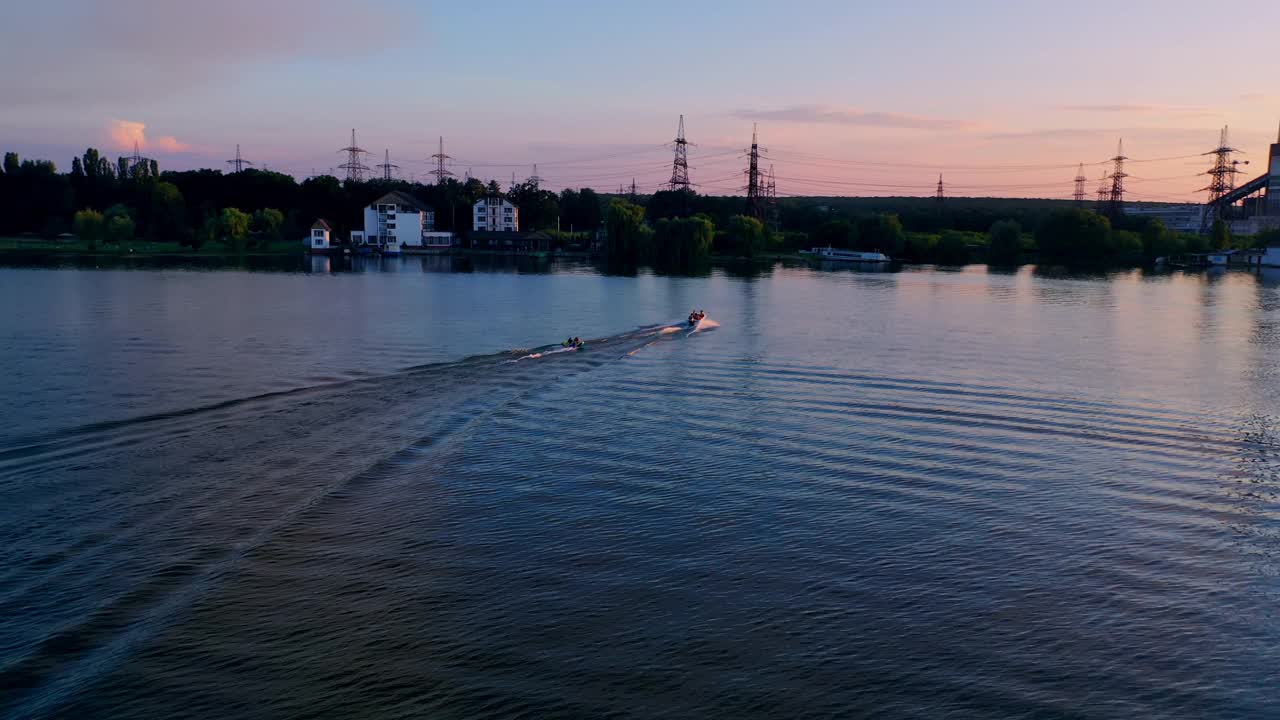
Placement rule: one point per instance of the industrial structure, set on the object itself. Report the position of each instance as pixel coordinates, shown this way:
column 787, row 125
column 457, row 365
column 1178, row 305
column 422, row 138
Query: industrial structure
column 1251, row 207
column 679, row 165
column 1115, row 199
column 238, row 162
column 755, row 196
column 440, row 172
column 354, row 165
column 386, row 166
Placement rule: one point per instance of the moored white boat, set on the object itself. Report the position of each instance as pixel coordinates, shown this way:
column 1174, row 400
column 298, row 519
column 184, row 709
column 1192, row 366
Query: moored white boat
column 830, row 253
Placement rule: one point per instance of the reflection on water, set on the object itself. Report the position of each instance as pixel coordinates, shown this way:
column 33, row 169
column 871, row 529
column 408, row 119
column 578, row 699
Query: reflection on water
column 330, row 491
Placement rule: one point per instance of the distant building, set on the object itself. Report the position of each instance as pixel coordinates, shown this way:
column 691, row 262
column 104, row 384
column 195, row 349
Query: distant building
column 510, row 241
column 397, row 222
column 1178, row 218
column 496, row 214
column 318, row 241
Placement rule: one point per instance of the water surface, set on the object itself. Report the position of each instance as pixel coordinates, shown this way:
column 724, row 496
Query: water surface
column 926, row 493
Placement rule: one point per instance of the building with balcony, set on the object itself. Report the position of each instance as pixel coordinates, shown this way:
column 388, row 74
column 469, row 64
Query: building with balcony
column 397, row 222
column 495, row 214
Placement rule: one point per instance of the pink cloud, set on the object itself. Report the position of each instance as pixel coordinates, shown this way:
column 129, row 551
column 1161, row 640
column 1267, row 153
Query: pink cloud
column 169, row 143
column 125, row 134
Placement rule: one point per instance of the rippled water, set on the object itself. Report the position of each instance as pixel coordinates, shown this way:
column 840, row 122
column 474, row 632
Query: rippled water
column 919, row 494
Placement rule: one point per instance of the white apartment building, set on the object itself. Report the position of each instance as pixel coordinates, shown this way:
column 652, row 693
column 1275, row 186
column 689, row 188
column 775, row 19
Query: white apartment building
column 496, row 214
column 395, row 222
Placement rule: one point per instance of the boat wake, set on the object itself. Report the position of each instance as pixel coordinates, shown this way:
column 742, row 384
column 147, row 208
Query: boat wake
column 629, row 343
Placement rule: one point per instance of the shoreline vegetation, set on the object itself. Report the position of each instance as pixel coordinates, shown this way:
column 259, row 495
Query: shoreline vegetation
column 131, row 209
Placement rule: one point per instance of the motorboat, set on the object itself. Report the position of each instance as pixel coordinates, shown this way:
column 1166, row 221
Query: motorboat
column 830, row 253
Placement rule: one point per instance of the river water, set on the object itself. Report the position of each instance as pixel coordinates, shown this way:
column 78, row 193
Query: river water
column 237, row 494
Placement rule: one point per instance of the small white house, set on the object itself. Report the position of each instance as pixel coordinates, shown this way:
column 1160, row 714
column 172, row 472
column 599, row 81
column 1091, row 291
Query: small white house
column 318, row 240
column 496, row 214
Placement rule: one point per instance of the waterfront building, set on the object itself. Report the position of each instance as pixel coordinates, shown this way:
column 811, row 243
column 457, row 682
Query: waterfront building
column 528, row 243
column 397, row 222
column 318, row 241
column 496, row 214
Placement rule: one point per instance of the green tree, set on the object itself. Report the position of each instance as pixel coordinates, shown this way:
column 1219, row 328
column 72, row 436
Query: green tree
column 210, row 230
column 881, row 233
column 746, row 236
column 1074, row 236
column 919, row 247
column 1126, row 246
column 953, row 249
column 120, row 229
column 168, row 213
column 118, row 223
column 834, row 233
column 681, row 244
column 1158, row 241
column 234, row 227
column 671, row 204
column 1004, row 243
column 625, row 232
column 88, row 225
column 268, row 222
column 1220, row 238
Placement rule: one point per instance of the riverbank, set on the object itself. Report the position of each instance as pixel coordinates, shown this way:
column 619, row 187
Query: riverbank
column 29, row 247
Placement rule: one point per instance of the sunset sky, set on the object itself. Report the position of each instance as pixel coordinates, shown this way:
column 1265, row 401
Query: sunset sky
column 851, row 98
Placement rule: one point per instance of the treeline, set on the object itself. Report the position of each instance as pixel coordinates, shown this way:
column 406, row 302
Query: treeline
column 105, row 201
column 191, row 207
column 677, row 243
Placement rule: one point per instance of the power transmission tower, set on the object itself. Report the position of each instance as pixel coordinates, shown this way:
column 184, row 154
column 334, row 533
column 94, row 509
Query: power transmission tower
column 1103, row 193
column 386, row 165
column 755, row 208
column 354, row 166
column 534, row 179
column 1080, row 181
column 440, row 172
column 942, row 194
column 239, row 162
column 680, row 165
column 771, row 198
column 1115, row 201
column 633, row 189
column 1223, row 174
column 1222, row 178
